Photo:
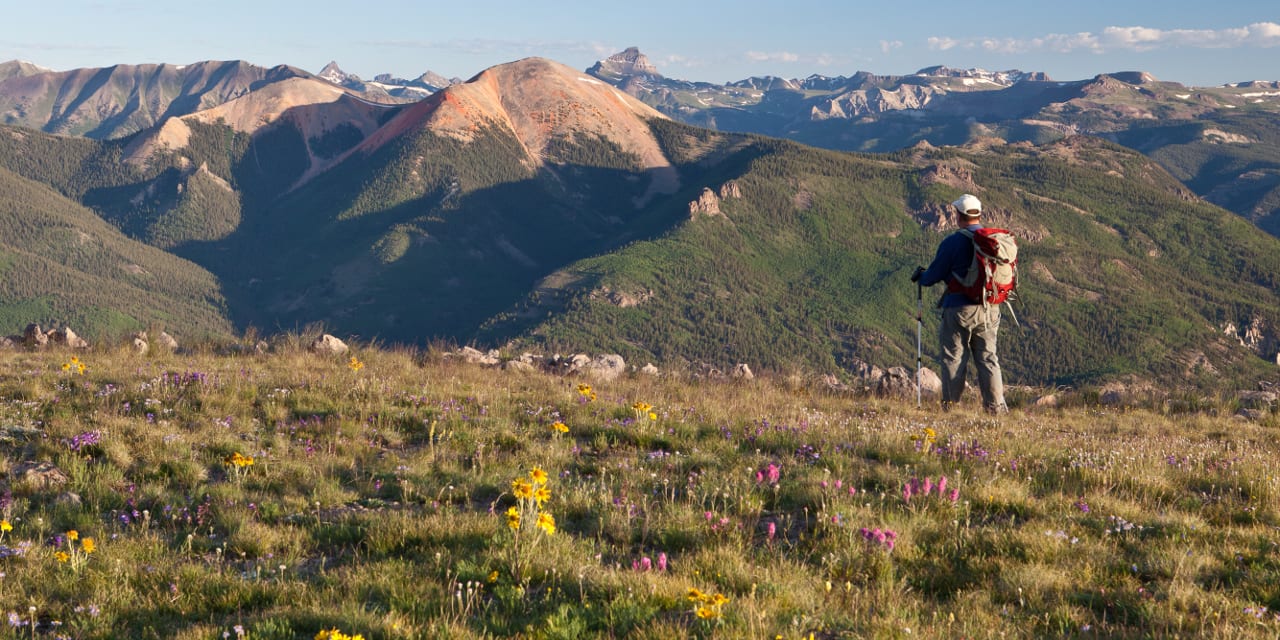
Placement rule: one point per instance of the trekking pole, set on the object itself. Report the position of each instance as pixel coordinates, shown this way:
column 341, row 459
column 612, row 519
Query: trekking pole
column 919, row 331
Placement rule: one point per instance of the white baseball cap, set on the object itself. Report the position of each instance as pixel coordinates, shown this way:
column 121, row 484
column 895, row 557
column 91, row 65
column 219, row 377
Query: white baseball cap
column 968, row 203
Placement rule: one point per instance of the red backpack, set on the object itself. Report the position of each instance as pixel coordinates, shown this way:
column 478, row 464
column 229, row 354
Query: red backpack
column 993, row 275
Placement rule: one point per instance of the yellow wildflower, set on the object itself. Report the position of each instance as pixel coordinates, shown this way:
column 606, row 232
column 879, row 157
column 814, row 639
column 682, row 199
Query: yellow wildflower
column 513, row 518
column 653, row 416
column 73, row 535
column 547, row 523
column 66, row 366
column 521, row 488
column 694, row 595
column 61, row 556
column 538, row 476
column 493, row 576
column 355, row 364
column 719, row 600
column 88, row 545
column 5, row 526
column 541, row 495
column 708, row 613
column 80, row 368
column 560, row 427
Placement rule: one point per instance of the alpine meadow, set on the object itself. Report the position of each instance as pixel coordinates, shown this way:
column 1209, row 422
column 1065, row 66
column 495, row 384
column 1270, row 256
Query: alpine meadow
column 625, row 356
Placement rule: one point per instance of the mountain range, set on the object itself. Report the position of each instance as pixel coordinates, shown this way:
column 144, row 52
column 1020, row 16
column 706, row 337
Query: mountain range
column 535, row 206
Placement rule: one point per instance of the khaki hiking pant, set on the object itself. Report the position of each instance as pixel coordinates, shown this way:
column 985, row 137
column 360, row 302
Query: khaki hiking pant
column 971, row 331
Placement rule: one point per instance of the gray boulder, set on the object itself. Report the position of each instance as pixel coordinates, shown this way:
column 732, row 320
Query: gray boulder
column 605, row 367
column 475, row 356
column 1258, row 399
column 32, row 336
column 67, row 338
column 166, row 341
column 901, row 382
column 39, row 475
column 328, row 345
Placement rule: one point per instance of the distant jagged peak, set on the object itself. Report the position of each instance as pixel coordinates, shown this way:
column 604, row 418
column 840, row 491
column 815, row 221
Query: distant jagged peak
column 1005, row 78
column 333, row 73
column 430, row 81
column 768, row 83
column 434, row 79
column 628, row 62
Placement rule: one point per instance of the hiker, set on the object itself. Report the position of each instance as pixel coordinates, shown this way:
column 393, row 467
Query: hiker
column 968, row 327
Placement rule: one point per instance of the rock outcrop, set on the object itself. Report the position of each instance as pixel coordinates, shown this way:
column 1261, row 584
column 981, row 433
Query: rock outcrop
column 901, row 382
column 67, row 338
column 707, row 204
column 328, row 345
column 33, row 337
column 605, row 368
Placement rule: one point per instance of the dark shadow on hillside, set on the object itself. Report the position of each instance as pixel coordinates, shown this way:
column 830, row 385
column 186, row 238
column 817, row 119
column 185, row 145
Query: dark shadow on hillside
column 440, row 265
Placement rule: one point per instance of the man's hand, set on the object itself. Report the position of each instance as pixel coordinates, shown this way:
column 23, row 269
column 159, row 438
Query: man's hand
column 915, row 275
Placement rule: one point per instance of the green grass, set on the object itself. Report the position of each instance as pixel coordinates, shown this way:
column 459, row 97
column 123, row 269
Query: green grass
column 375, row 504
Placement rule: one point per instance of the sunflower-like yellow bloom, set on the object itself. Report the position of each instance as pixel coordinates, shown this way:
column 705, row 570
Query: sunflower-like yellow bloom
column 513, row 518
column 88, row 545
column 538, row 476
column 547, row 523
column 541, row 495
column 521, row 488
column 73, row 535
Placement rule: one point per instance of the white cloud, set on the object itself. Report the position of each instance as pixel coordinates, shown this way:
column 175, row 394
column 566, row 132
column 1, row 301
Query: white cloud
column 775, row 56
column 889, row 45
column 942, row 44
column 1260, row 34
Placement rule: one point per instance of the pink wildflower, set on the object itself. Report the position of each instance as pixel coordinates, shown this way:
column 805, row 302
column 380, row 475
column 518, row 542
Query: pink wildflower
column 954, row 495
column 774, row 473
column 662, row 561
column 927, row 487
column 646, row 564
column 771, row 530
column 906, row 492
column 942, row 485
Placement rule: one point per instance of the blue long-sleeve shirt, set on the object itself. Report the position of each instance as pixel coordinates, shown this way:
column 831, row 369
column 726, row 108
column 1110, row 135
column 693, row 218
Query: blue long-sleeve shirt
column 955, row 254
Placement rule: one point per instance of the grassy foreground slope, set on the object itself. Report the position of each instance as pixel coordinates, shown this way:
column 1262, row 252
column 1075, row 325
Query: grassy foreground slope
column 284, row 495
column 1123, row 271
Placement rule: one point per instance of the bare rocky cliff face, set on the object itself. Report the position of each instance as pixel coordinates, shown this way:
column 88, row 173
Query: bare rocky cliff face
column 113, row 102
column 629, row 62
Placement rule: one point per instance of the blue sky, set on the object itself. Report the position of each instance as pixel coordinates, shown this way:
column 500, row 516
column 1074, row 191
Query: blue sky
column 1196, row 43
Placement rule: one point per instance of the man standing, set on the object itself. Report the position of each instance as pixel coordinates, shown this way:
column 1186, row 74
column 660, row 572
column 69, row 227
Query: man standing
column 968, row 327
